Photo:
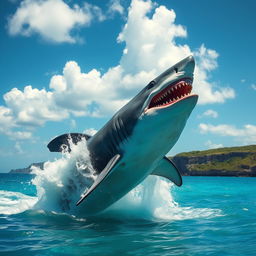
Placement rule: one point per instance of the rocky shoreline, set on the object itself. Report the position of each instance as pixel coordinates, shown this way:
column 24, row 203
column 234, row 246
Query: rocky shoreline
column 235, row 161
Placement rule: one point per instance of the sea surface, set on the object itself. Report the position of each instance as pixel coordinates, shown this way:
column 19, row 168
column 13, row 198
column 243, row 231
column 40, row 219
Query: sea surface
column 206, row 216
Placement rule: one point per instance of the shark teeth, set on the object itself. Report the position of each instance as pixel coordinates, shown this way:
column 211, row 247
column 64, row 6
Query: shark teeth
column 171, row 94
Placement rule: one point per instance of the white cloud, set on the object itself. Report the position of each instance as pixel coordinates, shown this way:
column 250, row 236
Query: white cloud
column 27, row 109
column 54, row 20
column 90, row 131
column 33, row 107
column 18, row 148
column 253, row 86
column 72, row 124
column 212, row 145
column 209, row 113
column 149, row 36
column 209, row 92
column 155, row 48
column 91, row 94
column 8, row 125
column 151, row 53
column 6, row 118
column 116, row 7
column 247, row 134
column 19, row 135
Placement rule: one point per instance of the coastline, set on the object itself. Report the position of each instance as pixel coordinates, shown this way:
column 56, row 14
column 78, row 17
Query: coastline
column 229, row 162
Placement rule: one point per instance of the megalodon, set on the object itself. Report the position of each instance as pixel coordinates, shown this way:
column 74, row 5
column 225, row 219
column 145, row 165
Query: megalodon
column 134, row 142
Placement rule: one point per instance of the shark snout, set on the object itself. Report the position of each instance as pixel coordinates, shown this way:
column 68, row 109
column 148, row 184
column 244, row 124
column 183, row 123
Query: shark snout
column 186, row 66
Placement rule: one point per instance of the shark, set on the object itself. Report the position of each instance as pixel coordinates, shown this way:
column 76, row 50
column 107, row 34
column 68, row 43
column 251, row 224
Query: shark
column 133, row 144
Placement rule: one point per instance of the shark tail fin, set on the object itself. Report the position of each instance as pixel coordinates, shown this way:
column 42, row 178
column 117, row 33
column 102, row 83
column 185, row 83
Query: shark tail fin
column 169, row 170
column 62, row 142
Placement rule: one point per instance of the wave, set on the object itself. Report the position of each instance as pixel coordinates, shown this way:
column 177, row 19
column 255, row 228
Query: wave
column 15, row 202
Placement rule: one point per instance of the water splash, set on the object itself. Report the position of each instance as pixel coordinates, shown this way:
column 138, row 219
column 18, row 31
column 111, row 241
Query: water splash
column 62, row 181
column 153, row 199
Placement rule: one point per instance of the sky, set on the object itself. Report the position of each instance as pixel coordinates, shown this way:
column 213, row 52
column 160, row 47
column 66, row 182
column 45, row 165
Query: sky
column 68, row 66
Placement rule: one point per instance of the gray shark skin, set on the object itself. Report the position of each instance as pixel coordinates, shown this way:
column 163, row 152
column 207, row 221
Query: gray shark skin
column 133, row 144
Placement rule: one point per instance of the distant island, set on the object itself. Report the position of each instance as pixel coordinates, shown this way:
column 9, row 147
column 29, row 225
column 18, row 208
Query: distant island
column 28, row 169
column 229, row 161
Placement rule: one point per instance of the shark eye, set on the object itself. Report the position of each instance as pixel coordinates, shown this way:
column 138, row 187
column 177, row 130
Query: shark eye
column 176, row 70
column 151, row 84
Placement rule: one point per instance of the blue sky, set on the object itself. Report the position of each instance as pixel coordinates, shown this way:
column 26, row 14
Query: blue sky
column 67, row 66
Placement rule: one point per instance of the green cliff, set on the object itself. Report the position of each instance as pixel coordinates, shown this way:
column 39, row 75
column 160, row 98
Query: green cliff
column 231, row 161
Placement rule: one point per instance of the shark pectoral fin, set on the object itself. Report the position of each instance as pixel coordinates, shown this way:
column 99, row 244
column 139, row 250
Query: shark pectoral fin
column 168, row 169
column 56, row 145
column 103, row 175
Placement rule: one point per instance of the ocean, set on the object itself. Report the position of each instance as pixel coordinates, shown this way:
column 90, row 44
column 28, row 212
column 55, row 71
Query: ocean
column 206, row 216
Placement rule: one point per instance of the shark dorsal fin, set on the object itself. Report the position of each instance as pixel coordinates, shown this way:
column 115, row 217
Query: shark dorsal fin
column 167, row 169
column 102, row 176
column 56, row 145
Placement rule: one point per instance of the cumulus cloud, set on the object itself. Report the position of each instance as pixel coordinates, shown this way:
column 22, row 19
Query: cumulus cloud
column 150, row 46
column 247, row 134
column 253, row 86
column 209, row 92
column 155, row 48
column 151, row 53
column 32, row 107
column 27, row 109
column 209, row 113
column 54, row 20
column 88, row 94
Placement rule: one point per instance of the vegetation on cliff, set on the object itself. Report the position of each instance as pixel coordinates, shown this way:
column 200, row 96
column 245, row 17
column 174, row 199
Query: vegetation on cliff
column 218, row 151
column 232, row 164
column 231, row 161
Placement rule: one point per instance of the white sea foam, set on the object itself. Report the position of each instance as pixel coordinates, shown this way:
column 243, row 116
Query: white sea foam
column 61, row 183
column 15, row 202
column 153, row 199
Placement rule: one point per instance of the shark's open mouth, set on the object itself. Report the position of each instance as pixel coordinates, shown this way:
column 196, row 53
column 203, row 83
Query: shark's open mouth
column 171, row 94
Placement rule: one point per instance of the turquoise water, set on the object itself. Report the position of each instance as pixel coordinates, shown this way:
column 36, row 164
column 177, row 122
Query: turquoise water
column 206, row 216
